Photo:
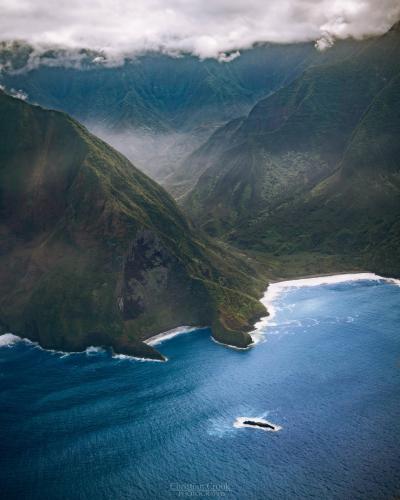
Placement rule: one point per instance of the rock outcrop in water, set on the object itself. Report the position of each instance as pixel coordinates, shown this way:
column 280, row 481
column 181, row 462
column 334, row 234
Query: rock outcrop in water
column 256, row 423
column 93, row 252
column 264, row 425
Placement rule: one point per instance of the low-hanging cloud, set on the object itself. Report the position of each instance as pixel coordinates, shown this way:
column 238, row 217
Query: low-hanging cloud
column 215, row 28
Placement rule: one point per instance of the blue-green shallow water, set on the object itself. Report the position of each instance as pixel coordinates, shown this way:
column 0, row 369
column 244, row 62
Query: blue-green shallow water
column 93, row 427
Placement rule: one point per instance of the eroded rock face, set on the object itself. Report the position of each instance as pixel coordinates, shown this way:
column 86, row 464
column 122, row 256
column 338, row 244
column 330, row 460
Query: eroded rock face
column 145, row 273
column 155, row 291
column 95, row 252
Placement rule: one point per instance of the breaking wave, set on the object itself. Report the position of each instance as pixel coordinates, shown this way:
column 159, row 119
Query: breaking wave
column 275, row 290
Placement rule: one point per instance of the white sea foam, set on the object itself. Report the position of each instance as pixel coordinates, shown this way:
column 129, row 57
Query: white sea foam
column 8, row 339
column 134, row 358
column 274, row 290
column 89, row 351
column 236, row 348
column 161, row 337
column 93, row 350
column 239, row 422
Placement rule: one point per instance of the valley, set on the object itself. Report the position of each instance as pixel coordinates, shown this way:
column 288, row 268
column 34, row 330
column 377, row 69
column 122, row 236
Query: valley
column 284, row 161
column 199, row 249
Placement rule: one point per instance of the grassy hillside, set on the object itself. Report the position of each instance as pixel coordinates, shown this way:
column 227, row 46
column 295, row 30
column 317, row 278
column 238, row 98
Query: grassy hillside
column 154, row 108
column 292, row 139
column 94, row 252
column 314, row 167
column 356, row 211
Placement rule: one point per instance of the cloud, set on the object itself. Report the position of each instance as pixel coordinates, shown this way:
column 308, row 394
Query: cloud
column 214, row 28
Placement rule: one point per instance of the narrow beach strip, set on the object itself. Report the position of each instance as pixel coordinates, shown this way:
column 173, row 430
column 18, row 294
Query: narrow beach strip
column 275, row 289
column 169, row 334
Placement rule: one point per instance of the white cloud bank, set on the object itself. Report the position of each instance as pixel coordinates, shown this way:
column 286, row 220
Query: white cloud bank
column 206, row 28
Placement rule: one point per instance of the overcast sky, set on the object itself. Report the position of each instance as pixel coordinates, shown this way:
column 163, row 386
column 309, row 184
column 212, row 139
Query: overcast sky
column 207, row 28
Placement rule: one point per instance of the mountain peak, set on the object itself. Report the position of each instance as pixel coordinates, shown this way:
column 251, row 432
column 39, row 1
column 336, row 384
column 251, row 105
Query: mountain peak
column 96, row 253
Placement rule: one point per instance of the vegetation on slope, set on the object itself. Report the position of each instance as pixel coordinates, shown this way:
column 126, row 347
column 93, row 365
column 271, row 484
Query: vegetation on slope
column 356, row 211
column 94, row 252
column 154, row 108
column 314, row 167
column 150, row 90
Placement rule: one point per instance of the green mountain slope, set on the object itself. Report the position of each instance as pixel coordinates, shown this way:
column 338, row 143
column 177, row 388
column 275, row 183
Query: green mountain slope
column 95, row 253
column 151, row 90
column 154, row 108
column 262, row 182
column 356, row 211
column 182, row 180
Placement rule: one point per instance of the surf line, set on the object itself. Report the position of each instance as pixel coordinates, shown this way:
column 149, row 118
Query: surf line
column 274, row 290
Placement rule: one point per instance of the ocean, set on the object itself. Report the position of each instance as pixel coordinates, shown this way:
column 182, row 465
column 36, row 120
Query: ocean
column 325, row 369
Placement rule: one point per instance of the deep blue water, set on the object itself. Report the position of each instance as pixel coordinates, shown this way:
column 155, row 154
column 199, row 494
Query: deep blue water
column 93, row 427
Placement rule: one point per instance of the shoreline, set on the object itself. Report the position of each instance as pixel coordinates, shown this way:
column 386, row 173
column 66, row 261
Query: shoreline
column 275, row 288
column 309, row 276
column 169, row 334
column 230, row 346
column 9, row 339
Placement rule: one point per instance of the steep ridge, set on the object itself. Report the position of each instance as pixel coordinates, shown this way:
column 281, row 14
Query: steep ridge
column 182, row 180
column 155, row 109
column 293, row 142
column 93, row 252
column 356, row 211
column 152, row 90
